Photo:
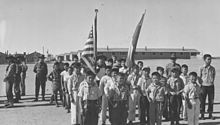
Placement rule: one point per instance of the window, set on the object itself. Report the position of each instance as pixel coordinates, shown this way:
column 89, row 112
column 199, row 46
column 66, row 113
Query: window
column 154, row 53
column 143, row 53
column 181, row 53
column 161, row 53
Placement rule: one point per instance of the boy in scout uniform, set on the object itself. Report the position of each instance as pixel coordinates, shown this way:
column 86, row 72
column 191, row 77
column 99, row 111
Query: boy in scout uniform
column 90, row 100
column 73, row 88
column 155, row 94
column 41, row 71
column 103, row 82
column 55, row 78
column 132, row 81
column 175, row 86
column 118, row 98
column 192, row 92
column 143, row 83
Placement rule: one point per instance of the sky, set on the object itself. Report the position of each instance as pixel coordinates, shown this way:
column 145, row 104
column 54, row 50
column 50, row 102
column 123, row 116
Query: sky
column 62, row 26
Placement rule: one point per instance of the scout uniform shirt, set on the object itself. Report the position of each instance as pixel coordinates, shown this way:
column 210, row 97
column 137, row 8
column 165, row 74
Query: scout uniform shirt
column 40, row 69
column 175, row 84
column 119, row 92
column 74, row 82
column 103, row 82
column 89, row 92
column 207, row 74
column 132, row 81
column 156, row 92
column 10, row 72
column 192, row 90
column 144, row 82
column 55, row 77
column 171, row 66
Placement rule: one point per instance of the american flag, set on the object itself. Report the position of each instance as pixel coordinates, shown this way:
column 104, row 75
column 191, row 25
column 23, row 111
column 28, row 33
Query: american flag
column 88, row 52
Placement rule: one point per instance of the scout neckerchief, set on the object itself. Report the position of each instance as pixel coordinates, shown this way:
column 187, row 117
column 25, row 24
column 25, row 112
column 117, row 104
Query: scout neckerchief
column 155, row 91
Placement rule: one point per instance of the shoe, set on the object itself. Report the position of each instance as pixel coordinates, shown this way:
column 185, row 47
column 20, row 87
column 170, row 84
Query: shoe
column 10, row 105
column 43, row 99
column 36, row 99
column 177, row 123
column 130, row 123
column 172, row 123
column 211, row 117
column 202, row 117
column 16, row 101
column 22, row 94
column 68, row 111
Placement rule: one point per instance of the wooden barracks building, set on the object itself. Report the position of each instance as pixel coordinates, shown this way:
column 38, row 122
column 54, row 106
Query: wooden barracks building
column 141, row 53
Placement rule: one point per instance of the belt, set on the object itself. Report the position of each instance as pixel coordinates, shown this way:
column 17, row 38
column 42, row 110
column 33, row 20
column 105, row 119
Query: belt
column 194, row 98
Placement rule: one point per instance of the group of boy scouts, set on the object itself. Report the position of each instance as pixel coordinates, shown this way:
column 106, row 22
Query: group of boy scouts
column 118, row 90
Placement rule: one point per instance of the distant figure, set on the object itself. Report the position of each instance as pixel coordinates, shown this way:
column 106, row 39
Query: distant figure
column 55, row 78
column 60, row 63
column 75, row 60
column 9, row 80
column 123, row 68
column 17, row 81
column 114, row 58
column 172, row 65
column 140, row 65
column 41, row 71
column 110, row 62
column 207, row 75
column 24, row 68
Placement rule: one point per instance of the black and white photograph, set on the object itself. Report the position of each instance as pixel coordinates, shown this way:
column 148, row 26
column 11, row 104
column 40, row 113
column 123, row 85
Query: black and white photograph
column 109, row 62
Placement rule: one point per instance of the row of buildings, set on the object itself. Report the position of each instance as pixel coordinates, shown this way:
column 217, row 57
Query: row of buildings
column 140, row 54
column 30, row 57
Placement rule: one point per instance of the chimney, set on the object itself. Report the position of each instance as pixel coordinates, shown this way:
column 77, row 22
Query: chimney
column 145, row 48
column 183, row 48
column 107, row 48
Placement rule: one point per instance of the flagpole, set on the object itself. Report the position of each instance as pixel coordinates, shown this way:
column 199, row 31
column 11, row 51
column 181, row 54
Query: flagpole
column 95, row 30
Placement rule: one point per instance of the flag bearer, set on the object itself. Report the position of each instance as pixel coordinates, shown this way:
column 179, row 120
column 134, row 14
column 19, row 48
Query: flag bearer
column 73, row 86
column 155, row 94
column 135, row 95
column 118, row 97
column 103, row 82
column 192, row 92
column 90, row 100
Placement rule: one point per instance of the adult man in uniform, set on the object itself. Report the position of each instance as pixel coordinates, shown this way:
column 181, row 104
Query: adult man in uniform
column 9, row 80
column 172, row 65
column 23, row 75
column 17, row 79
column 41, row 71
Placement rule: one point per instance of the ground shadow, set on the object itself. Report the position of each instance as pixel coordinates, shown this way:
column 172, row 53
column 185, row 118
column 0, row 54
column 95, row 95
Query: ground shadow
column 210, row 123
